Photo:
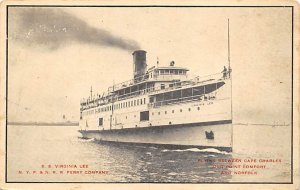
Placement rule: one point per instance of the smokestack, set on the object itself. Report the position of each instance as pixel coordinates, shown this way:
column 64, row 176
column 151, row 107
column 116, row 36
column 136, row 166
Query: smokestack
column 139, row 63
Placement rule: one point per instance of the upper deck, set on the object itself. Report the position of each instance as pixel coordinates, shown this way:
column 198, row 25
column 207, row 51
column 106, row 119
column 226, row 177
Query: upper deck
column 154, row 80
column 139, row 85
column 154, row 74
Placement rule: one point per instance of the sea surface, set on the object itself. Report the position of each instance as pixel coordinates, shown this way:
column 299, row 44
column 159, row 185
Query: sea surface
column 59, row 154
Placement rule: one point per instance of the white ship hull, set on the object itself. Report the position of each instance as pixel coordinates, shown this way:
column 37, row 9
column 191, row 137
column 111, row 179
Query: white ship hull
column 188, row 135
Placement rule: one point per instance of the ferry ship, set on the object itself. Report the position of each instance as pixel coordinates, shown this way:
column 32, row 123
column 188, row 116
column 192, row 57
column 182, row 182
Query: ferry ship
column 162, row 106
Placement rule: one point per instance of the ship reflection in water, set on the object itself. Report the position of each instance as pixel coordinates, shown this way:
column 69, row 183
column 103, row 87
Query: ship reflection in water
column 30, row 147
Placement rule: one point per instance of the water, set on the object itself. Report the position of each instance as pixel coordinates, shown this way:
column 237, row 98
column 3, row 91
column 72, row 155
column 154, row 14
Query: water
column 30, row 147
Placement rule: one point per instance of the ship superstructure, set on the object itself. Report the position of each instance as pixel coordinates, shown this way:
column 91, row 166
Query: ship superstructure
column 162, row 106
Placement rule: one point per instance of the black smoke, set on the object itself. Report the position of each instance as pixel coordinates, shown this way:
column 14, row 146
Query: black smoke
column 54, row 27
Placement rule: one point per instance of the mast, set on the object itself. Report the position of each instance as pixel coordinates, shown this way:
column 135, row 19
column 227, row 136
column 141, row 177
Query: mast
column 91, row 92
column 228, row 44
column 230, row 76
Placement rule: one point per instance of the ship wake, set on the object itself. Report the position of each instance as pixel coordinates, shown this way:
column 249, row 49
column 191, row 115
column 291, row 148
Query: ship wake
column 206, row 150
column 82, row 139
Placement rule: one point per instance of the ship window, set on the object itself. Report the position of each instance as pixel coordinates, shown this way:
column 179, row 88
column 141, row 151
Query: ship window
column 166, row 112
column 100, row 121
column 176, row 72
column 187, row 92
column 109, row 107
column 131, row 102
column 151, row 99
column 134, row 102
column 158, row 113
column 144, row 100
column 162, row 86
column 189, row 109
column 171, row 71
column 177, row 94
column 152, row 113
column 138, row 102
column 180, row 72
column 144, row 116
column 162, row 71
column 172, row 111
column 198, row 90
column 180, row 110
column 171, row 85
column 141, row 101
column 198, row 108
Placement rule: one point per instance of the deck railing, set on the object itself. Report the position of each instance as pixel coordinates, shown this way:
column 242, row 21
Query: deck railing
column 152, row 90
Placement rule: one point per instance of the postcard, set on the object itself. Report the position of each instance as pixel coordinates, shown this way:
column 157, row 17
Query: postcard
column 149, row 95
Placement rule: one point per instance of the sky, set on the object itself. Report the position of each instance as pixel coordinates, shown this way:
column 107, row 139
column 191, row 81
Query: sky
column 55, row 55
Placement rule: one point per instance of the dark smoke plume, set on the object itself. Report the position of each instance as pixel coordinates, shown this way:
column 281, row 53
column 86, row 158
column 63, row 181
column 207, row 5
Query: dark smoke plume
column 53, row 28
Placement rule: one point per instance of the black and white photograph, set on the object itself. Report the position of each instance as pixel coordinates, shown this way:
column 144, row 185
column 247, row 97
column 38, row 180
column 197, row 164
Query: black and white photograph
column 185, row 93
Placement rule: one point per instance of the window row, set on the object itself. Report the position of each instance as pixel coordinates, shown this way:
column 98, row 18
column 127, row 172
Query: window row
column 116, row 106
column 172, row 72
